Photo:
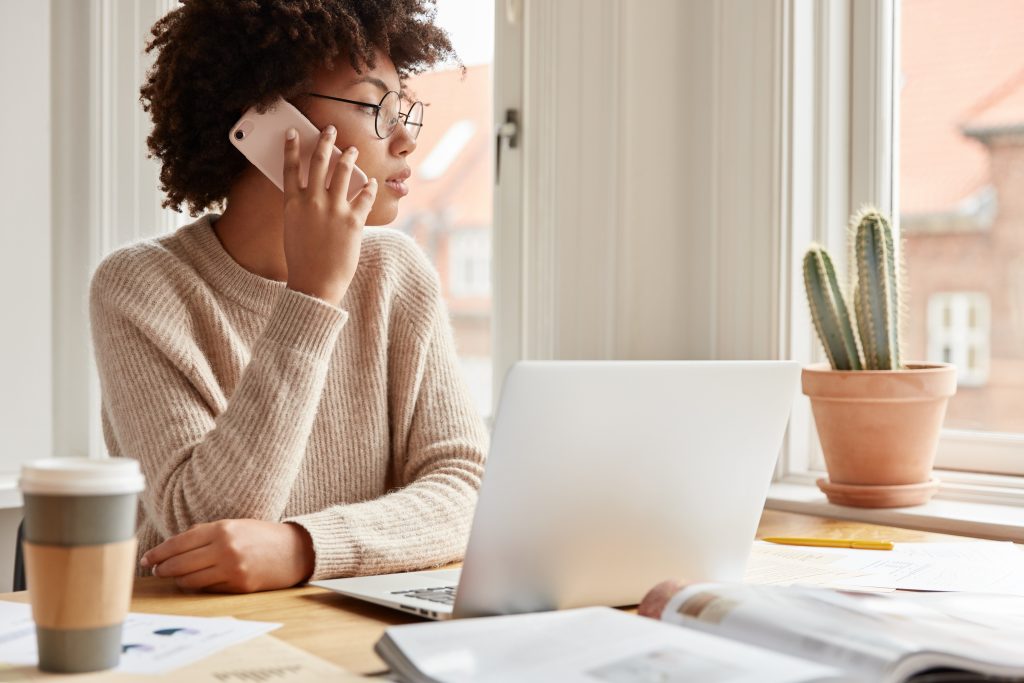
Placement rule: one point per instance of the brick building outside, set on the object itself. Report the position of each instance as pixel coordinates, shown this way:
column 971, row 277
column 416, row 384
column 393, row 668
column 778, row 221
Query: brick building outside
column 962, row 201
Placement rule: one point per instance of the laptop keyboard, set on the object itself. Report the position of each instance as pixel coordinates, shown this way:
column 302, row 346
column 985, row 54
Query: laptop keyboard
column 444, row 595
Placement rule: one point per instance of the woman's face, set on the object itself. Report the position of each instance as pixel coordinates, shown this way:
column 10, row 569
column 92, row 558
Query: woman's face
column 381, row 159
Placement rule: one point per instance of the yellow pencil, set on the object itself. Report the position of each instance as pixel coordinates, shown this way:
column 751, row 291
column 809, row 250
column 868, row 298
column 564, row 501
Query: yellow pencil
column 832, row 543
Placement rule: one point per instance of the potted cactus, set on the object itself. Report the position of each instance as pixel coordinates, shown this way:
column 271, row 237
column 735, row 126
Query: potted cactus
column 878, row 416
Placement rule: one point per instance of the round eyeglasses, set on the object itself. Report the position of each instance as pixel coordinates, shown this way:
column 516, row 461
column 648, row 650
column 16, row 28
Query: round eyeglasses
column 389, row 113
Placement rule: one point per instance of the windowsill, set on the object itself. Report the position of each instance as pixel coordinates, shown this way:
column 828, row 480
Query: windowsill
column 964, row 518
column 10, row 496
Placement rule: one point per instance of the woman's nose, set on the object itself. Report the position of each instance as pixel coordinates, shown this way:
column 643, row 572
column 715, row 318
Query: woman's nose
column 402, row 141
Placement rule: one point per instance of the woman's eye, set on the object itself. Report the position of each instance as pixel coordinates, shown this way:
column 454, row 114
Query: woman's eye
column 369, row 110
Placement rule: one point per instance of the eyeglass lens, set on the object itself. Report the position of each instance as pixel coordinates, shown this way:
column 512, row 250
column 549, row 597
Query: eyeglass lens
column 414, row 120
column 388, row 116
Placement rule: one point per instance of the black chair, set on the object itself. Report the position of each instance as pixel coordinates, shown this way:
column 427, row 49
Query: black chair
column 19, row 561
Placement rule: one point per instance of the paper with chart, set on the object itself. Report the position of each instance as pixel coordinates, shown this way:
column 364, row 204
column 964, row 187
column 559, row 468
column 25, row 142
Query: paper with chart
column 786, row 565
column 973, row 566
column 263, row 659
column 150, row 643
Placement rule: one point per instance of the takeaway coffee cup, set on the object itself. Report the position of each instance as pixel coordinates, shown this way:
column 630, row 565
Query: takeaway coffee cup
column 80, row 557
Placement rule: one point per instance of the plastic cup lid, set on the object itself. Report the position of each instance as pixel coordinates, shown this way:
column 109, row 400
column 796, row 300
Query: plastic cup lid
column 81, row 476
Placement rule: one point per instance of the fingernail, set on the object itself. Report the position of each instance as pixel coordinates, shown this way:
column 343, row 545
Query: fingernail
column 330, row 129
column 291, row 133
column 144, row 562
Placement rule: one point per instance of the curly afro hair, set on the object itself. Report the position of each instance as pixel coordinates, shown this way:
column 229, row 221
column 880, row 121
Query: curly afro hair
column 216, row 58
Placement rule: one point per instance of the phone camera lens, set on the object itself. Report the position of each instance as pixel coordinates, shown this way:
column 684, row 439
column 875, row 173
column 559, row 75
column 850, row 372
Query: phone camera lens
column 239, row 135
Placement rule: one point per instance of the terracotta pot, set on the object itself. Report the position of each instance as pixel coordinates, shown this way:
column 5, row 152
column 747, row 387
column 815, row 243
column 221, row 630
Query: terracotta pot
column 879, row 428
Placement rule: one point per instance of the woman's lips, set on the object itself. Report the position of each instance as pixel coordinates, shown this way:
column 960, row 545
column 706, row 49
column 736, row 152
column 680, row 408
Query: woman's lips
column 398, row 186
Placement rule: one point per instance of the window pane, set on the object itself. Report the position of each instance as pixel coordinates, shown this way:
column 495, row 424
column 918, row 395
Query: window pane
column 961, row 187
column 448, row 210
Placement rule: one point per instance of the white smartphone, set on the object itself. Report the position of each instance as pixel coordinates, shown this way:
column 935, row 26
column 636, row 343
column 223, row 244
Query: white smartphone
column 260, row 137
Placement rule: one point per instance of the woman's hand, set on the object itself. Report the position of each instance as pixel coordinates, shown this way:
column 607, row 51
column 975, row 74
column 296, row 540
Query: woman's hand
column 235, row 556
column 654, row 602
column 323, row 231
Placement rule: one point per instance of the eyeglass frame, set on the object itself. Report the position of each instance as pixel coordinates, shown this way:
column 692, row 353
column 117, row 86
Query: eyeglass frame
column 378, row 107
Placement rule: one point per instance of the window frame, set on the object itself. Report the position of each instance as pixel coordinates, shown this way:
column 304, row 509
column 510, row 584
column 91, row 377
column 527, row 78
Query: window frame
column 852, row 152
column 960, row 451
column 99, row 60
column 508, row 232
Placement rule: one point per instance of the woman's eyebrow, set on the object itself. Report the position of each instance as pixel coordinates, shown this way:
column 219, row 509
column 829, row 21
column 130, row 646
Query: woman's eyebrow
column 374, row 80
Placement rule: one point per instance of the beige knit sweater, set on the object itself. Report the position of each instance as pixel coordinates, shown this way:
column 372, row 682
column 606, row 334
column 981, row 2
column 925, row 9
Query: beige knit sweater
column 244, row 399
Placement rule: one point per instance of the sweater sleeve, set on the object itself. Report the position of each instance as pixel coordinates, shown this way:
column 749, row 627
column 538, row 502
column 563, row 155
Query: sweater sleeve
column 201, row 466
column 439, row 443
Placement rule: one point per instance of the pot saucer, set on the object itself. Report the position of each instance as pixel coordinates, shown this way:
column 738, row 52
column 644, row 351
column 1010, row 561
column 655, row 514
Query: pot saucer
column 874, row 496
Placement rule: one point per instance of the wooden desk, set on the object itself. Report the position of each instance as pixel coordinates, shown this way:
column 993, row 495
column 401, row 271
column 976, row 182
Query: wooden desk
column 343, row 630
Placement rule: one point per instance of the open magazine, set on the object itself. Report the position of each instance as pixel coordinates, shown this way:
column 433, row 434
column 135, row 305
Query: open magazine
column 730, row 633
column 869, row 636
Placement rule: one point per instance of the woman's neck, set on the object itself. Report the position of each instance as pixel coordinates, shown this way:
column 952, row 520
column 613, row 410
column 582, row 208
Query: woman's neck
column 251, row 229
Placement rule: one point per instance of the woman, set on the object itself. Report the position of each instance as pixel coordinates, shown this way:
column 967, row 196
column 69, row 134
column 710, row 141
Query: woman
column 288, row 381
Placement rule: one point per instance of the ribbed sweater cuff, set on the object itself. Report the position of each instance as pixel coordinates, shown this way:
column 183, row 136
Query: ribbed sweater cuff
column 305, row 323
column 334, row 545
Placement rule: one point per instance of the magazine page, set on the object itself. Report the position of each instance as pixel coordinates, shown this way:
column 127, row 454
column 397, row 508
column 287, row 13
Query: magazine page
column 969, row 627
column 974, row 631
column 790, row 620
column 869, row 635
column 592, row 645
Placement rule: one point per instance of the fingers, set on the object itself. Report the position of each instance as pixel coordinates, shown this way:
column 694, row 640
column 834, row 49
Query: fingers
column 202, row 579
column 343, row 174
column 363, row 202
column 187, row 562
column 196, row 537
column 321, row 160
column 292, row 183
column 658, row 597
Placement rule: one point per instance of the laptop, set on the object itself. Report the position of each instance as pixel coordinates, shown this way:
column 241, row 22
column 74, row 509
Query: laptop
column 604, row 478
